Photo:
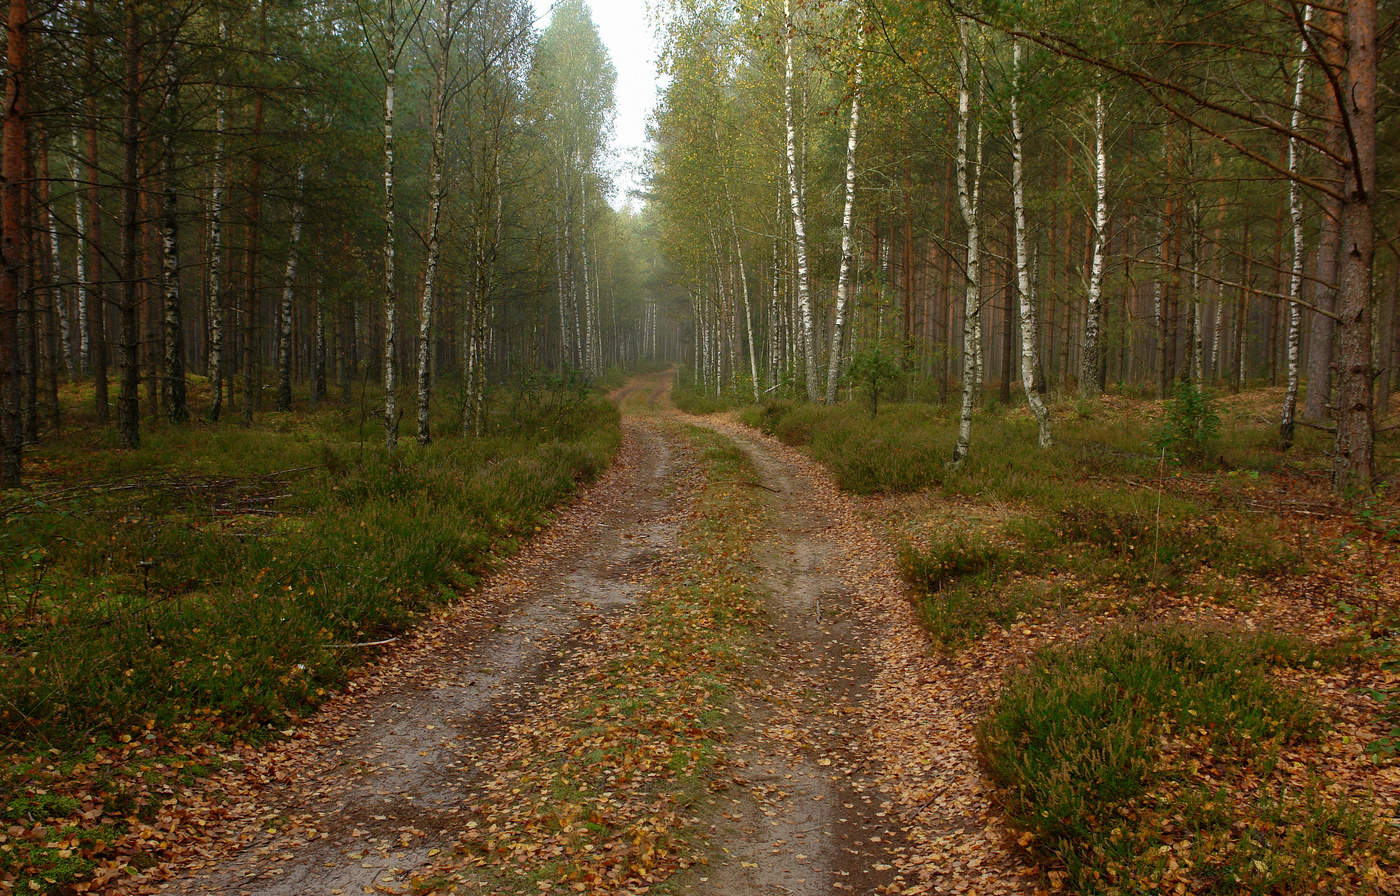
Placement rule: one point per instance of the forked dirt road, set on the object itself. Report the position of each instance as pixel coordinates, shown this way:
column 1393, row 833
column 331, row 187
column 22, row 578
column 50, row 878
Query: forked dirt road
column 373, row 792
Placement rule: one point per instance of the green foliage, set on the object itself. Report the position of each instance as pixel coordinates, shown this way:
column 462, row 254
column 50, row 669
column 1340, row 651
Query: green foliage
column 1192, row 426
column 215, row 579
column 1096, row 744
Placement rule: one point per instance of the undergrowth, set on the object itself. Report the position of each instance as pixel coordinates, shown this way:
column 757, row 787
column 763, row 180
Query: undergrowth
column 222, row 580
column 1149, row 759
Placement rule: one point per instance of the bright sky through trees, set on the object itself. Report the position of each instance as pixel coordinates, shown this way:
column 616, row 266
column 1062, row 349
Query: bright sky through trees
column 626, row 31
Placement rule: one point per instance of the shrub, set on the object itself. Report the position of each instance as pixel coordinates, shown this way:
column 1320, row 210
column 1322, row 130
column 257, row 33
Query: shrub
column 1192, row 426
column 873, row 372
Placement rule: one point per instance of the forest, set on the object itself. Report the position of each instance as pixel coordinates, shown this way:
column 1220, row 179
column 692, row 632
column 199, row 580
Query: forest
column 958, row 455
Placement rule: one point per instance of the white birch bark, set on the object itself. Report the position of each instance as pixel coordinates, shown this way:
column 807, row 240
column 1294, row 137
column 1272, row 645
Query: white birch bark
column 216, row 246
column 843, row 280
column 587, row 335
column 743, row 273
column 318, row 363
column 1091, row 368
column 435, row 199
column 1295, row 275
column 560, row 250
column 391, row 413
column 799, row 222
column 284, row 311
column 969, row 186
column 80, row 223
column 60, row 311
column 1029, row 347
column 1217, row 335
column 1197, row 304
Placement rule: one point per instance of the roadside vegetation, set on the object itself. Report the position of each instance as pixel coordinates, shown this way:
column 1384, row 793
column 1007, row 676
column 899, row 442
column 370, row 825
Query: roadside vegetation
column 1215, row 706
column 222, row 581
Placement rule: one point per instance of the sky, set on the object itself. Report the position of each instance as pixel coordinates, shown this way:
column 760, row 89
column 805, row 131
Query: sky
column 626, row 32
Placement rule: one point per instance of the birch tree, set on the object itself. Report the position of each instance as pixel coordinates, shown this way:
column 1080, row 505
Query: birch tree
column 289, row 280
column 389, row 37
column 1091, row 380
column 799, row 219
column 843, row 282
column 1030, row 360
column 1295, row 273
column 441, row 62
column 214, row 273
column 969, row 174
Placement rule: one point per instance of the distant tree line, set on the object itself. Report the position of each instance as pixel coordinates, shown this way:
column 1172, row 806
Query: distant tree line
column 301, row 197
column 1055, row 195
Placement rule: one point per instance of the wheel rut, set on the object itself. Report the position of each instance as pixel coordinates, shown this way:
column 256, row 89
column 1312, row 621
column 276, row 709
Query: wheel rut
column 801, row 814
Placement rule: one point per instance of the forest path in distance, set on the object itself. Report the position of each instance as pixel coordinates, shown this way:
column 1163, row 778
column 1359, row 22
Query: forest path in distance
column 372, row 793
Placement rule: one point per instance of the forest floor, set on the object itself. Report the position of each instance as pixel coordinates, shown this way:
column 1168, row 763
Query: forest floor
column 707, row 676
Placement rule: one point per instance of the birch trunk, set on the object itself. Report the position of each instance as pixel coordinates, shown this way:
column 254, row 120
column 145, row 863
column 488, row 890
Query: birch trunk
column 1197, row 306
column 84, row 359
column 969, row 187
column 318, row 358
column 53, row 310
column 843, row 281
column 391, row 413
column 177, row 410
column 586, row 335
column 1295, row 274
column 284, row 311
column 1030, row 360
column 435, row 166
column 216, row 249
column 799, row 222
column 59, row 332
column 1091, row 367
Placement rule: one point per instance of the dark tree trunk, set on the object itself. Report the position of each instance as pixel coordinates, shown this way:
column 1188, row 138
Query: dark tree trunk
column 11, row 242
column 1354, row 463
column 129, row 400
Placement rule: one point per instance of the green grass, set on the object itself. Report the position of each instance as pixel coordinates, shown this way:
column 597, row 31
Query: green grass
column 215, row 583
column 1099, row 505
column 1125, row 760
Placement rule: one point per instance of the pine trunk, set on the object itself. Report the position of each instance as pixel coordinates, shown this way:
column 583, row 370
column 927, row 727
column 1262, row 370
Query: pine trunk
column 1353, row 463
column 128, row 400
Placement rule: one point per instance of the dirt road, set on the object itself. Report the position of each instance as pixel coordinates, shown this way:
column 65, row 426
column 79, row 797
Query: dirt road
column 371, row 794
